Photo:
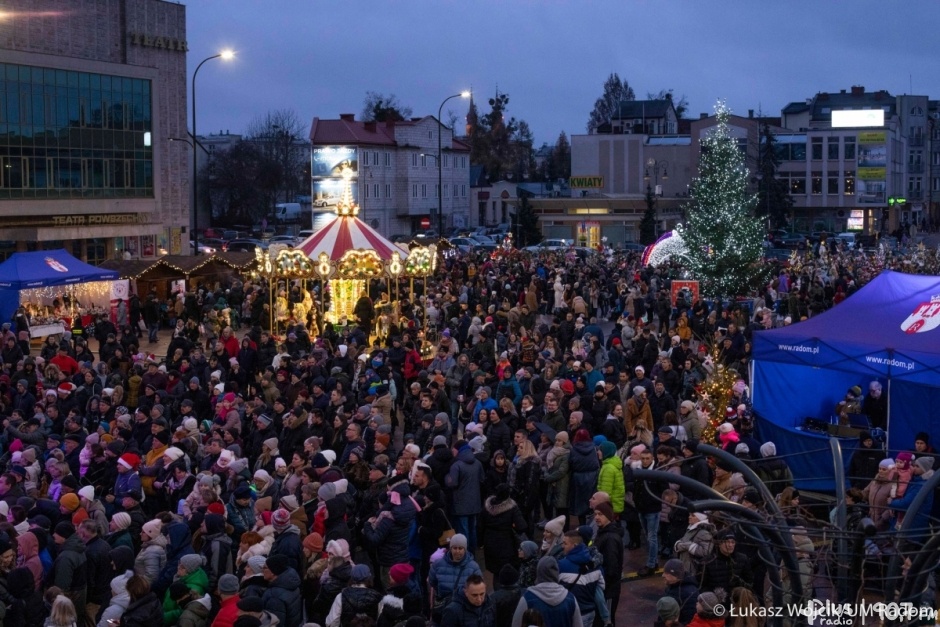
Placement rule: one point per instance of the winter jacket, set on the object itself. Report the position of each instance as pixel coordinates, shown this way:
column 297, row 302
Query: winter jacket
column 524, row 476
column 335, row 582
column 144, row 612
column 726, row 572
column 283, row 599
column 398, row 604
column 119, row 600
column 152, row 558
column 695, row 546
column 466, row 480
column 179, row 544
column 584, row 470
column 217, row 549
column 921, row 523
column 197, row 581
column 646, row 494
column 685, row 592
column 98, row 556
column 389, row 534
column 196, row 612
column 558, row 478
column 448, row 578
column 228, row 612
column 610, row 480
column 462, row 613
column 287, row 543
column 499, row 524
column 578, row 573
column 352, row 601
column 70, row 569
column 553, row 601
column 609, row 543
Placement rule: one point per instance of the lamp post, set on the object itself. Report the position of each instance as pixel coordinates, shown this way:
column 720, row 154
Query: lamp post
column 225, row 55
column 655, row 166
column 440, row 172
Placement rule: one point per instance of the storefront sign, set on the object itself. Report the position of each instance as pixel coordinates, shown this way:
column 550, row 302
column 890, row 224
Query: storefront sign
column 593, row 182
column 96, row 219
column 166, row 43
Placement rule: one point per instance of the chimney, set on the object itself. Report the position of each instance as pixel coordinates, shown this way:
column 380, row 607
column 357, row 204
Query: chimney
column 347, row 117
column 702, row 116
column 750, row 113
column 841, row 91
column 370, row 126
column 858, row 90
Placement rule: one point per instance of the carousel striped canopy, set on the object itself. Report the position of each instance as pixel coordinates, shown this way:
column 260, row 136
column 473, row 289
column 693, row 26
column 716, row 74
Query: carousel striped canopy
column 345, row 233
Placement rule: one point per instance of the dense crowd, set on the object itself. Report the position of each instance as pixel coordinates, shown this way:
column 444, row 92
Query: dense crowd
column 469, row 463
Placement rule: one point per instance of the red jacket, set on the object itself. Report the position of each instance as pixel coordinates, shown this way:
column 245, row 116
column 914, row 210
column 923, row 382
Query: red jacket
column 228, row 612
column 413, row 364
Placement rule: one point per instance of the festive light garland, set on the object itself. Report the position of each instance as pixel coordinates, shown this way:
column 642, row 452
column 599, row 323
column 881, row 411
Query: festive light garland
column 670, row 244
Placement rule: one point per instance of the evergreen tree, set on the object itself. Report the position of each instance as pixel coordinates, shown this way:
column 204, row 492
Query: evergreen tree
column 722, row 235
column 616, row 90
column 501, row 144
column 525, row 224
column 380, row 108
column 561, row 157
column 773, row 195
column 648, row 223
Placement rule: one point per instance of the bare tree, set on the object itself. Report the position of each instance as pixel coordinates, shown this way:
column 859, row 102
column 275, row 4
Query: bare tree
column 380, row 108
column 279, row 137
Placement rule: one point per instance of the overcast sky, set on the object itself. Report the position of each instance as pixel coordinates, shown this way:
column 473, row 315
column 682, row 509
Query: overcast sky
column 551, row 56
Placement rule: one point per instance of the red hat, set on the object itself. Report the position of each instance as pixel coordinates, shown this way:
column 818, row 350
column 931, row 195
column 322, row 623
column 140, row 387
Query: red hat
column 489, row 319
column 216, row 507
column 567, row 387
column 129, row 460
column 615, row 341
column 66, row 386
column 400, row 573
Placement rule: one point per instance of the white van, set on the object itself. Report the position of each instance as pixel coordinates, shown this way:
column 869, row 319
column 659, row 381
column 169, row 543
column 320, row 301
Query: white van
column 848, row 238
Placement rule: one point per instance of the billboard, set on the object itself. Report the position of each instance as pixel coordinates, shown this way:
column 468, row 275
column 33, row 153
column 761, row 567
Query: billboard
column 327, row 192
column 328, row 160
column 858, row 118
column 871, row 175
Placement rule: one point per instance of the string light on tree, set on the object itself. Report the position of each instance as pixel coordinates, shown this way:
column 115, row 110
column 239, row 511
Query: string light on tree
column 714, row 394
column 722, row 234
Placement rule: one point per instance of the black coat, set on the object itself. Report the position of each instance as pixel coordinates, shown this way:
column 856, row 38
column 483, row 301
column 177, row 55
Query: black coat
column 146, row 611
column 609, row 543
column 499, row 524
column 726, row 572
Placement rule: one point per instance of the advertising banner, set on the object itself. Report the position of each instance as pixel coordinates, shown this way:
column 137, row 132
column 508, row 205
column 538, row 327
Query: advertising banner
column 871, row 175
column 678, row 286
column 120, row 292
column 328, row 160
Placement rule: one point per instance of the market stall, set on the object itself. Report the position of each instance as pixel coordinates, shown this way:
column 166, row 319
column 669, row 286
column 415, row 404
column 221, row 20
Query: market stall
column 55, row 287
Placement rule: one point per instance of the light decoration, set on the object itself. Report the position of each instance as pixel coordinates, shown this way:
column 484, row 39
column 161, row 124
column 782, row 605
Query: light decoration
column 293, row 263
column 96, row 292
column 714, row 395
column 344, row 294
column 722, row 234
column 347, row 205
column 669, row 245
column 364, row 264
column 421, row 261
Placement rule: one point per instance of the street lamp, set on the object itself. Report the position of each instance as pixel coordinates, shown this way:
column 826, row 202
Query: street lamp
column 440, row 173
column 225, row 55
column 655, row 165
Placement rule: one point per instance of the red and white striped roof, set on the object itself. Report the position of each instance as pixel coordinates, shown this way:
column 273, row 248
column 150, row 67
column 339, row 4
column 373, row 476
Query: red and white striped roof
column 345, row 233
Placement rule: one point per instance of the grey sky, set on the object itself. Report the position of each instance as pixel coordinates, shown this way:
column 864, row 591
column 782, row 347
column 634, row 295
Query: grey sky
column 551, row 56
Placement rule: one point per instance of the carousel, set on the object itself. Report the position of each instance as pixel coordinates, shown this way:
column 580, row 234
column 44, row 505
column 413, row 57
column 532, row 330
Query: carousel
column 344, row 256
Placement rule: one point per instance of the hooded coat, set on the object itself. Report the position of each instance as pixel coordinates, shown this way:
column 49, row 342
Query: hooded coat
column 287, row 543
column 144, row 612
column 120, row 599
column 152, row 558
column 70, row 571
column 466, row 480
column 283, row 599
column 554, row 602
column 180, row 544
column 584, row 470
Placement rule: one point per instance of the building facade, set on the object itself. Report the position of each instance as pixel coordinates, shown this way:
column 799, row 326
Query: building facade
column 89, row 95
column 395, row 172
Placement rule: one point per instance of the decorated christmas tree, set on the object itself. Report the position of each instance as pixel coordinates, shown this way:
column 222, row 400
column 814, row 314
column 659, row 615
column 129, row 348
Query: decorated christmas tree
column 722, row 235
column 714, row 395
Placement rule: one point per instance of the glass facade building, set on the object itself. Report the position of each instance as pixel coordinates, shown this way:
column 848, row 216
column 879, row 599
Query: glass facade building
column 71, row 134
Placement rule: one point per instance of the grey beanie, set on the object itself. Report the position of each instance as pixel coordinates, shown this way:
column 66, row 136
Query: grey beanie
column 228, row 584
column 547, row 570
column 529, row 549
column 192, row 562
column 256, row 563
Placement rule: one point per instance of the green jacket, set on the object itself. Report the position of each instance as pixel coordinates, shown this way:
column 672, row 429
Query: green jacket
column 198, row 582
column 610, row 480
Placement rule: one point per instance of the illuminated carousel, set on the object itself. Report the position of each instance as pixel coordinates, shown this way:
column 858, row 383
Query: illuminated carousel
column 345, row 254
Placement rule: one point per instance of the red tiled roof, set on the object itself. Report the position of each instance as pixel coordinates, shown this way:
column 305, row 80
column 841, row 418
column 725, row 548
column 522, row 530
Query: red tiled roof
column 348, row 131
column 460, row 146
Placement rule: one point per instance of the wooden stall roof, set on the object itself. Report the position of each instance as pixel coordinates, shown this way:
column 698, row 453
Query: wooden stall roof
column 178, row 266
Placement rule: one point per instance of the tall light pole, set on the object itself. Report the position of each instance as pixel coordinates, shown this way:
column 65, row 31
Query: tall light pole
column 655, row 165
column 225, row 55
column 440, row 173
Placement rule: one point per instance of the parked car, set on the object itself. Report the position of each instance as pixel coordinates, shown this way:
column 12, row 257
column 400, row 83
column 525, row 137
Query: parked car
column 203, row 248
column 290, row 240
column 547, row 245
column 484, row 243
column 463, row 244
column 427, row 234
column 246, row 245
column 218, row 244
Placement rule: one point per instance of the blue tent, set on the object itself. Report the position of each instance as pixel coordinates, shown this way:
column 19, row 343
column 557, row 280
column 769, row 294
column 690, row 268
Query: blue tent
column 887, row 331
column 43, row 268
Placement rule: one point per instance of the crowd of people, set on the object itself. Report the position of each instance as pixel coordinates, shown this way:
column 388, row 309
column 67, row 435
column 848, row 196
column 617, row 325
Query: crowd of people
column 474, row 464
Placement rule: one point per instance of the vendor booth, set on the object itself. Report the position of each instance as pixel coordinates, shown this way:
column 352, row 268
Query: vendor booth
column 886, row 332
column 37, row 279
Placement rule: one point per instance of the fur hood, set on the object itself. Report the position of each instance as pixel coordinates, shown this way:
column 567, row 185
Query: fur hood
column 495, row 508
